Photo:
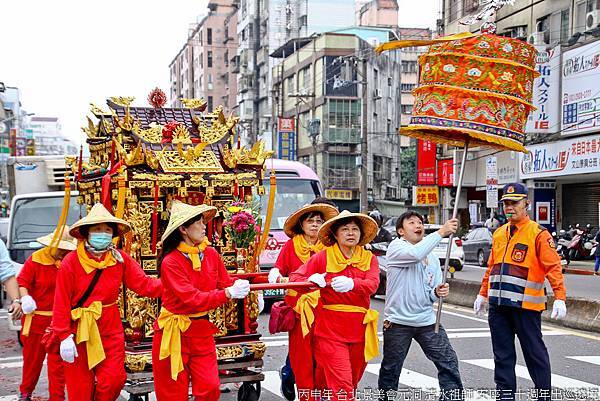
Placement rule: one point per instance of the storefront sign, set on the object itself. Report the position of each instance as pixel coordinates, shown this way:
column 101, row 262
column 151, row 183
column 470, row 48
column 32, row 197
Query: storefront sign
column 566, row 157
column 491, row 182
column 546, row 91
column 581, row 90
column 286, row 145
column 426, row 196
column 286, row 125
column 445, row 172
column 426, row 152
column 339, row 194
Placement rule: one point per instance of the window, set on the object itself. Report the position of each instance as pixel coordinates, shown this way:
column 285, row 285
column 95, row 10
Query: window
column 209, row 82
column 470, row 6
column 210, row 103
column 209, row 59
column 409, row 66
column 407, row 108
column 209, row 36
column 564, row 25
column 407, row 87
column 291, row 88
column 453, row 10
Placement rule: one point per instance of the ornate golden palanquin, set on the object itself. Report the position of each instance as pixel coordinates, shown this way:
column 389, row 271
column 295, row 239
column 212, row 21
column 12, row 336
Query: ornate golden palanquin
column 141, row 158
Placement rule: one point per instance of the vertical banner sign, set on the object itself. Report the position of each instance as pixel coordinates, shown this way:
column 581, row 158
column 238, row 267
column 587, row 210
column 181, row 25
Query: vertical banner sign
column 581, row 90
column 546, row 92
column 426, row 152
column 12, row 142
column 286, row 138
column 491, row 182
column 445, row 171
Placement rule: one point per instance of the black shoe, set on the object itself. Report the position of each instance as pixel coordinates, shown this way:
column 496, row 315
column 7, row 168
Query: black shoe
column 288, row 389
column 24, row 397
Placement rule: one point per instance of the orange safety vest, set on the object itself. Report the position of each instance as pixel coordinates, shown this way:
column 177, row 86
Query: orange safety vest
column 517, row 276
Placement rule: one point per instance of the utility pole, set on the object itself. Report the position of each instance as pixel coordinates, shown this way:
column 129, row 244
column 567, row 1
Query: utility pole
column 364, row 154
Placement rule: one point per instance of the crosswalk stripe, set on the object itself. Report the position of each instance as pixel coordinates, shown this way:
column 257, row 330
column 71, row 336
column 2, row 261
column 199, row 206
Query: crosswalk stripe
column 589, row 359
column 408, row 377
column 8, row 398
column 272, row 383
column 521, row 371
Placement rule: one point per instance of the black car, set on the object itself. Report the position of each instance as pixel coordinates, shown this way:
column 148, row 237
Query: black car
column 477, row 245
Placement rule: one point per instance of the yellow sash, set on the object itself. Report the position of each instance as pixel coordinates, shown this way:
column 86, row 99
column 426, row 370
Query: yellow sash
column 336, row 261
column 29, row 319
column 89, row 264
column 45, row 257
column 87, row 330
column 170, row 345
column 371, row 316
column 303, row 248
column 194, row 252
column 305, row 307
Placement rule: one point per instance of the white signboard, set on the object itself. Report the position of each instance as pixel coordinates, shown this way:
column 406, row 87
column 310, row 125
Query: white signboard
column 491, row 182
column 546, row 92
column 566, row 157
column 581, row 90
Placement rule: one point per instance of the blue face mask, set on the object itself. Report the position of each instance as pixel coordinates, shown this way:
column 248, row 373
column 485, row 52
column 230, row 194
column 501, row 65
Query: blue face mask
column 100, row 241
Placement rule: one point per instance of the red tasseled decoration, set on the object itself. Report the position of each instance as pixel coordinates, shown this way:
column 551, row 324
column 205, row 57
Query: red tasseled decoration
column 155, row 217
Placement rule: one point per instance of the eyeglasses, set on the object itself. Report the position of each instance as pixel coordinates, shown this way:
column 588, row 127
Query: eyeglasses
column 314, row 221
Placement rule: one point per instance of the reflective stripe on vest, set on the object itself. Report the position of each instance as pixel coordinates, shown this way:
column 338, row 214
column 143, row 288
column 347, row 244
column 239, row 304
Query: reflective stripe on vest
column 517, row 276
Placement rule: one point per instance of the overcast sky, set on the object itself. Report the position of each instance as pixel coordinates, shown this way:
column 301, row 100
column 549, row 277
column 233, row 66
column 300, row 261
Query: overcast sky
column 64, row 54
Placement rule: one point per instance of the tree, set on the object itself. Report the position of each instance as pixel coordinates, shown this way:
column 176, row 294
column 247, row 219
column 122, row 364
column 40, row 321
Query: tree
column 408, row 168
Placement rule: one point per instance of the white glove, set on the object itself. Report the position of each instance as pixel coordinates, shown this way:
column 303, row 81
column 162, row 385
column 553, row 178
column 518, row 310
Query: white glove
column 478, row 305
column 261, row 302
column 28, row 304
column 559, row 309
column 318, row 279
column 342, row 284
column 239, row 289
column 274, row 275
column 68, row 350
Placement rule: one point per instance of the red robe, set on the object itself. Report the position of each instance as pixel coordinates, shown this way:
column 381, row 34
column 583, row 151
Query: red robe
column 341, row 335
column 40, row 282
column 71, row 284
column 188, row 291
column 301, row 349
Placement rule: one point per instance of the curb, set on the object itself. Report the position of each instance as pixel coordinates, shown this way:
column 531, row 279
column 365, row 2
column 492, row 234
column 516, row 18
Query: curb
column 582, row 313
column 582, row 272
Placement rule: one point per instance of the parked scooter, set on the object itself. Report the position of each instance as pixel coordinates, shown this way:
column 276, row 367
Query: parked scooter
column 561, row 245
column 581, row 245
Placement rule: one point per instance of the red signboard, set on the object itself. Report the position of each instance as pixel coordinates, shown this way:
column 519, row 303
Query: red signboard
column 445, row 173
column 425, row 162
column 285, row 125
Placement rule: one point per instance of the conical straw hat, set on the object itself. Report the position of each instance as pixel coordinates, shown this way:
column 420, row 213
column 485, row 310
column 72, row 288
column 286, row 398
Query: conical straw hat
column 98, row 215
column 182, row 212
column 368, row 228
column 326, row 210
column 66, row 242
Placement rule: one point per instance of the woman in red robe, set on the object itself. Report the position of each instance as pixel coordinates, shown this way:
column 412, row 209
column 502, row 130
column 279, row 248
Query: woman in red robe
column 195, row 282
column 345, row 329
column 302, row 227
column 89, row 327
column 37, row 281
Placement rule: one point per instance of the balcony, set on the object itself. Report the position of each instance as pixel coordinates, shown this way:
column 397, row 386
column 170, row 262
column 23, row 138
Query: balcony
column 342, row 178
column 342, row 135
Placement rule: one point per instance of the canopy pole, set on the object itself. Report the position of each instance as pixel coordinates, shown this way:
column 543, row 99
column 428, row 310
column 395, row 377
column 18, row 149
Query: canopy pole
column 451, row 237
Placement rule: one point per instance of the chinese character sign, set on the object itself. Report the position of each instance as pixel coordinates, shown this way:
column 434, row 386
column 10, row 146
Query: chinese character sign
column 567, row 157
column 286, row 125
column 426, row 152
column 491, row 182
column 426, row 196
column 546, row 93
column 445, row 171
column 581, row 90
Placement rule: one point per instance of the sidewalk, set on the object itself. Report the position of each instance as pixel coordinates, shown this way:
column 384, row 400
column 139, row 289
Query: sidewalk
column 584, row 267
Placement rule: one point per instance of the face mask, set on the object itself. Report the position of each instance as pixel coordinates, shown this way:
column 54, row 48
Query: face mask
column 100, row 241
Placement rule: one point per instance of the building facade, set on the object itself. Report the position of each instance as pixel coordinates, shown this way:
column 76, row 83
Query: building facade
column 46, row 133
column 563, row 134
column 206, row 65
column 262, row 28
column 319, row 80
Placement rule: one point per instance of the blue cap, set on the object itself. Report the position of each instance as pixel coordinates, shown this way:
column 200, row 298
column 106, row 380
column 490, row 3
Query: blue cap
column 515, row 192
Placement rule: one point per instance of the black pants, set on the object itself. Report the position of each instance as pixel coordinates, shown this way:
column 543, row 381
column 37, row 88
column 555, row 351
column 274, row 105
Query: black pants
column 505, row 322
column 437, row 348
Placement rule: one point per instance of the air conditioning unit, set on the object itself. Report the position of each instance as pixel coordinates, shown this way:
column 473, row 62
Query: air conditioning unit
column 592, row 19
column 539, row 38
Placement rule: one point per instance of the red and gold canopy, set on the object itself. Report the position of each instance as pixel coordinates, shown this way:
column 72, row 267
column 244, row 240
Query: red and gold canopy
column 472, row 88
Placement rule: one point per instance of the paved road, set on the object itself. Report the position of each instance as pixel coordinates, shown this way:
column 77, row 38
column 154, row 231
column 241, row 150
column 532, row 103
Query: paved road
column 575, row 358
column 577, row 285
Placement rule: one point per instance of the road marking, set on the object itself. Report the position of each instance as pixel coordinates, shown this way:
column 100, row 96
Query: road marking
column 408, row 377
column 8, row 398
column 272, row 382
column 521, row 371
column 12, row 358
column 589, row 359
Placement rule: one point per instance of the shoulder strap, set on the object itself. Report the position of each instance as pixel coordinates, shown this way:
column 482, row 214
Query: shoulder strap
column 89, row 290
